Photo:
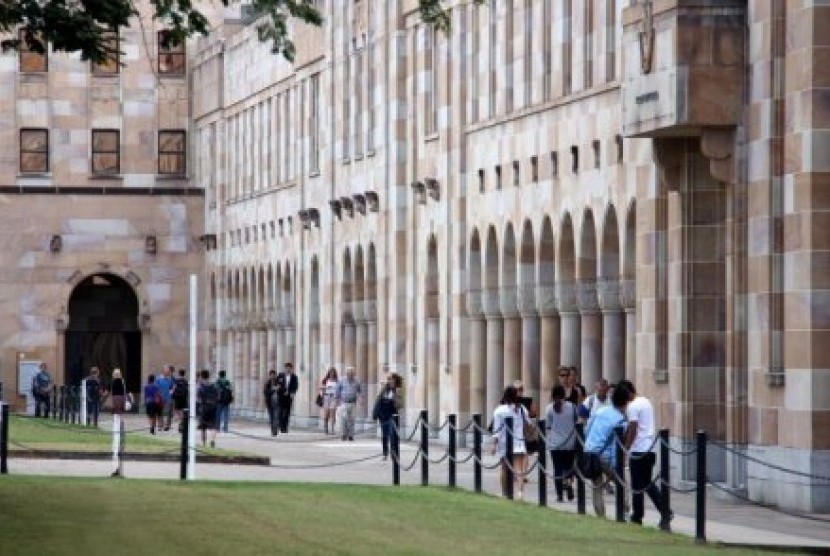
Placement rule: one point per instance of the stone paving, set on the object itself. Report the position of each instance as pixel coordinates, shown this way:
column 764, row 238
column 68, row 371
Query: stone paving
column 304, row 455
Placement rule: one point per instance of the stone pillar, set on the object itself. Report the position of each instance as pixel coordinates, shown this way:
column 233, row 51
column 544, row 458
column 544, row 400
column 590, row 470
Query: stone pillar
column 361, row 362
column 349, row 343
column 628, row 300
column 591, row 333
column 272, row 350
column 530, row 341
column 495, row 353
column 245, row 349
column 291, row 347
column 512, row 335
column 372, row 360
column 571, row 331
column 433, row 370
column 549, row 339
column 478, row 355
column 253, row 367
column 262, row 371
column 238, row 368
column 613, row 330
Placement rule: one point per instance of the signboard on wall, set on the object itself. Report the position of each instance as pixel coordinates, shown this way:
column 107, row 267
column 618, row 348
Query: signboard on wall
column 26, row 371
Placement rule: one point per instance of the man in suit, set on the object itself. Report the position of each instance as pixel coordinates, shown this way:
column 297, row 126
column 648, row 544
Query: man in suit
column 286, row 388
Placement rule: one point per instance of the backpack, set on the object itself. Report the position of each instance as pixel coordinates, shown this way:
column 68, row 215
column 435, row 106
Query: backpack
column 181, row 389
column 93, row 390
column 225, row 393
column 209, row 397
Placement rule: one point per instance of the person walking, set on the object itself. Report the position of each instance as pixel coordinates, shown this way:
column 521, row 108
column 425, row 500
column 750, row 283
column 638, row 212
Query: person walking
column 207, row 397
column 349, row 393
column 165, row 385
column 181, row 397
column 287, row 386
column 153, row 402
column 328, row 389
column 600, row 446
column 41, row 391
column 268, row 395
column 118, row 392
column 225, row 400
column 94, row 393
column 639, row 440
column 560, row 420
column 511, row 407
column 387, row 404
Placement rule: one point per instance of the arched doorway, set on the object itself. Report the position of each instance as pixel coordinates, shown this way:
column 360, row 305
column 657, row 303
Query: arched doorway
column 103, row 330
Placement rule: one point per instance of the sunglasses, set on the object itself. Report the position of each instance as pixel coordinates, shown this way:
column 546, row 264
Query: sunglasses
column 564, row 375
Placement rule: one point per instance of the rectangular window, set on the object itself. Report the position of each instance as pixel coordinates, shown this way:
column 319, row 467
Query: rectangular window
column 567, row 37
column 597, row 154
column 430, row 60
column 112, row 64
column 172, row 151
column 171, row 59
column 314, row 123
column 106, row 152
column 554, row 164
column 34, row 151
column 588, row 45
column 610, row 40
column 547, row 46
column 534, row 169
column 30, row 60
column 481, row 181
column 516, row 174
column 498, row 177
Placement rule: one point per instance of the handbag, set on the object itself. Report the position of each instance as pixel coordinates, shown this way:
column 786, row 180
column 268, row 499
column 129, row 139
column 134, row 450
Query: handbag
column 531, row 434
column 128, row 402
column 319, row 400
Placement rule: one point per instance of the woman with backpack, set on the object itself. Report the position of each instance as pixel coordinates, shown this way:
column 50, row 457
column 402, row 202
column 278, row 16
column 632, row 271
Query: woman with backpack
column 153, row 402
column 560, row 420
column 386, row 407
column 225, row 401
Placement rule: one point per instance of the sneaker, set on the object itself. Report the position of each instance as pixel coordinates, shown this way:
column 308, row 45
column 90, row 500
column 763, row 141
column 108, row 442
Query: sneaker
column 665, row 521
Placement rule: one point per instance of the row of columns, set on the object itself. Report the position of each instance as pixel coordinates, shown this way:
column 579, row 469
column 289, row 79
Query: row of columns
column 527, row 332
column 359, row 347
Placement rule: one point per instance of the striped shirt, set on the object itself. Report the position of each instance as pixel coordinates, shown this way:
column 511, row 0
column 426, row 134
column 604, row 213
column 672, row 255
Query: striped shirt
column 349, row 390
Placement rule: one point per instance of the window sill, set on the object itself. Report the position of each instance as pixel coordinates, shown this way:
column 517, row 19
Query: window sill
column 429, row 137
column 358, row 156
column 96, row 177
column 370, row 153
column 314, row 174
column 347, row 160
column 34, row 175
column 171, row 177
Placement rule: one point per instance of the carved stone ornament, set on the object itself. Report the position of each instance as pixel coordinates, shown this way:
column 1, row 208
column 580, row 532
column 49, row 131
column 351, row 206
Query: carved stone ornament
column 646, row 37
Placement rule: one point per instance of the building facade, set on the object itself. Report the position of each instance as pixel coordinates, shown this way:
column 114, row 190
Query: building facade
column 639, row 189
column 101, row 222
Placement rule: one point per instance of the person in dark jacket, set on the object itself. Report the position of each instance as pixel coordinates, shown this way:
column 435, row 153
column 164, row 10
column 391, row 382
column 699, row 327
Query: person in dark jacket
column 268, row 394
column 286, row 387
column 387, row 405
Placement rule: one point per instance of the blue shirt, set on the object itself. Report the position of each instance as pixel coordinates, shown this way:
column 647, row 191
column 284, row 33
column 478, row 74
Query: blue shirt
column 165, row 385
column 599, row 436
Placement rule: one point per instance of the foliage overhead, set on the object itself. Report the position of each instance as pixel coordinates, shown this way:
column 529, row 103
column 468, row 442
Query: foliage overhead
column 84, row 26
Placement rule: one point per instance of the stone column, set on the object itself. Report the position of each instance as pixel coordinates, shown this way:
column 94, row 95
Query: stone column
column 549, row 332
column 271, row 361
column 262, row 371
column 530, row 341
column 512, row 335
column 371, row 314
column 628, row 300
column 253, row 366
column 361, row 355
column 613, row 330
column 495, row 352
column 349, row 343
column 244, row 368
column 238, row 366
column 478, row 355
column 433, row 370
column 591, row 333
column 571, row 331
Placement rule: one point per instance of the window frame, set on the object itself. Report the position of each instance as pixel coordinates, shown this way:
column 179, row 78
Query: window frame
column 172, row 51
column 22, row 151
column 100, row 69
column 183, row 152
column 24, row 50
column 93, row 152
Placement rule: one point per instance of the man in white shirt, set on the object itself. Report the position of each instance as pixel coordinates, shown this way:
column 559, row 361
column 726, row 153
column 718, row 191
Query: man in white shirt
column 639, row 439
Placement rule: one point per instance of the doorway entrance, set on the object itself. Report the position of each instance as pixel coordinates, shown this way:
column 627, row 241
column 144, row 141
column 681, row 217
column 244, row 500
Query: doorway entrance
column 103, row 331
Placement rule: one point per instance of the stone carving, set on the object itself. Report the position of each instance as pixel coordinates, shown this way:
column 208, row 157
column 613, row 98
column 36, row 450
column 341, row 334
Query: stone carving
column 566, row 297
column 546, row 300
column 491, row 302
column 628, row 293
column 527, row 299
column 509, row 301
column 646, row 37
column 608, row 294
column 474, row 303
column 370, row 309
column 587, row 296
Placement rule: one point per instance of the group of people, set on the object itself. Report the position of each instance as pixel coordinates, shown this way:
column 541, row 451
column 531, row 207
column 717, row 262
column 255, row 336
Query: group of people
column 602, row 412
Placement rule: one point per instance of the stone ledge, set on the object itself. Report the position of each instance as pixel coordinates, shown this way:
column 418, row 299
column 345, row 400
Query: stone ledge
column 79, row 455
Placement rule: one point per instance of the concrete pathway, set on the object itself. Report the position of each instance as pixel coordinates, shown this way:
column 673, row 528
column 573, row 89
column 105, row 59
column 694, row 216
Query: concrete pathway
column 311, row 456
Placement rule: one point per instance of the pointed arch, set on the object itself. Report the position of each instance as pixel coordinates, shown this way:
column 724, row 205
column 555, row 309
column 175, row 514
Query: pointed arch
column 609, row 258
column 474, row 264
column 547, row 254
column 567, row 251
column 587, row 264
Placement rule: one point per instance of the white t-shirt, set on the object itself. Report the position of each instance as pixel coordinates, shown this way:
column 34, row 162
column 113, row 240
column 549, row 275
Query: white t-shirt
column 641, row 411
column 519, row 415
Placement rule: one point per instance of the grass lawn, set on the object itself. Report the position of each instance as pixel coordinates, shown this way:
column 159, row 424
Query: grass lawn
column 46, row 434
column 52, row 515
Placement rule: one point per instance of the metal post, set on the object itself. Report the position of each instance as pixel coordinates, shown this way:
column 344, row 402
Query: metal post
column 700, row 513
column 665, row 472
column 619, row 480
column 73, row 396
column 477, row 452
column 84, row 418
column 452, row 420
column 122, row 444
column 508, row 456
column 543, row 476
column 184, row 452
column 580, row 484
column 54, row 405
column 396, row 452
column 4, row 440
column 62, row 401
column 424, row 448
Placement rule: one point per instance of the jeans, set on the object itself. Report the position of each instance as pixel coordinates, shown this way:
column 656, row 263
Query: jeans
column 348, row 420
column 45, row 401
column 387, row 427
column 598, row 494
column 93, row 409
column 563, row 462
column 642, row 465
column 284, row 412
column 167, row 411
column 223, row 412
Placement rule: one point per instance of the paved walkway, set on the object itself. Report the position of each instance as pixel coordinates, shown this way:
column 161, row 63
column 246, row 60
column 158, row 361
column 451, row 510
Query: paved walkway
column 306, row 455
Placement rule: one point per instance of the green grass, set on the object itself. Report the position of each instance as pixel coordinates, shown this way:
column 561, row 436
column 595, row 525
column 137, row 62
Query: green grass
column 46, row 434
column 51, row 515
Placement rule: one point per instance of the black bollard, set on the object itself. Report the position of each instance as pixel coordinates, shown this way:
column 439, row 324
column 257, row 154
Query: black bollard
column 185, row 437
column 700, row 494
column 396, row 452
column 508, row 456
column 580, row 484
column 62, row 417
column 73, row 391
column 665, row 474
column 424, row 448
column 477, row 452
column 54, row 405
column 543, row 476
column 4, row 441
column 619, row 470
column 452, row 420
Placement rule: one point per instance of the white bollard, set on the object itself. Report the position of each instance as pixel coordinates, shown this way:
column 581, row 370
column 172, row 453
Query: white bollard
column 116, row 441
column 83, row 403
